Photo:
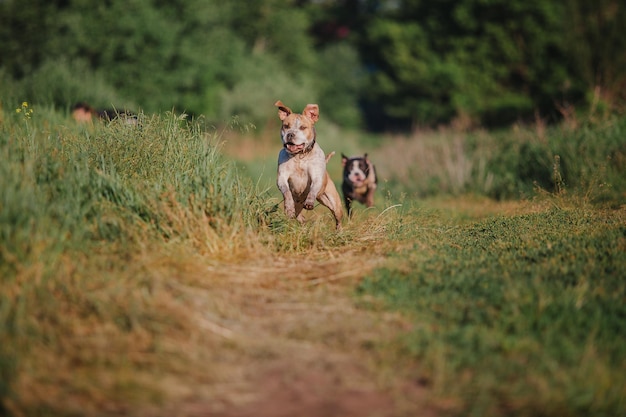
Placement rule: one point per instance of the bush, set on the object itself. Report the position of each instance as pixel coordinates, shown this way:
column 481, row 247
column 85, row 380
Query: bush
column 263, row 81
column 509, row 164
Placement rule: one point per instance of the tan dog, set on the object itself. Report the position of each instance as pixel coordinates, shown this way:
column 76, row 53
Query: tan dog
column 302, row 175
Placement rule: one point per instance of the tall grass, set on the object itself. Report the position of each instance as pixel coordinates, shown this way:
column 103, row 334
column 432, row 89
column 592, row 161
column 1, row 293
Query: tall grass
column 509, row 164
column 93, row 219
column 113, row 237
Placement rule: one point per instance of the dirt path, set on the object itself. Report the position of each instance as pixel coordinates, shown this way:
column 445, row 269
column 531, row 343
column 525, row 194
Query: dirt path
column 289, row 340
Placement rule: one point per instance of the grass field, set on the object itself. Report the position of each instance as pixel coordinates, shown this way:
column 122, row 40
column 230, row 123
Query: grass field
column 149, row 270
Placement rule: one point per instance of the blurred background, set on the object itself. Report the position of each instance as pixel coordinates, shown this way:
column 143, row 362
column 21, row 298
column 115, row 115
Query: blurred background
column 376, row 65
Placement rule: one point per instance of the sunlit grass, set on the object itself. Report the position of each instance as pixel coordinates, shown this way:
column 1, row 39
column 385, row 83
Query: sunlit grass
column 144, row 271
column 96, row 224
column 515, row 315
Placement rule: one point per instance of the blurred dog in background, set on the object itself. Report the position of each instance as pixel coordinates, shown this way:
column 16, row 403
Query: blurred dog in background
column 84, row 113
column 359, row 181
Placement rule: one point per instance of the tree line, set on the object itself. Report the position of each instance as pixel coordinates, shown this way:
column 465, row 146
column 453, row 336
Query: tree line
column 380, row 64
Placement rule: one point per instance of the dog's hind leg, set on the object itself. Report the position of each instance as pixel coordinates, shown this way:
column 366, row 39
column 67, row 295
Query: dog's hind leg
column 330, row 198
column 369, row 198
column 334, row 206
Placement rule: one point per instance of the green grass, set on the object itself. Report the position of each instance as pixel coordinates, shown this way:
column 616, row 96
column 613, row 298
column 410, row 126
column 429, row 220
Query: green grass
column 91, row 219
column 141, row 269
column 521, row 315
column 509, row 164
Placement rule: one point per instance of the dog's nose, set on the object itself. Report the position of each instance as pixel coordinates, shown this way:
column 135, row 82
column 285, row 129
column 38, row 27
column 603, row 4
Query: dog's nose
column 290, row 136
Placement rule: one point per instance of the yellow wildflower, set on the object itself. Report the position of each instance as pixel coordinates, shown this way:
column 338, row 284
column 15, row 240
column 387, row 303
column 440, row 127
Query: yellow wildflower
column 25, row 110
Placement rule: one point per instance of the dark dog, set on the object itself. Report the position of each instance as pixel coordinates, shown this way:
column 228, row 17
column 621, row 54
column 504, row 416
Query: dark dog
column 359, row 181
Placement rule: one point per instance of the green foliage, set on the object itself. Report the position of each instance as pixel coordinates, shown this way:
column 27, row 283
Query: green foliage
column 493, row 61
column 24, row 33
column 597, row 48
column 427, row 63
column 65, row 83
column 340, row 81
column 263, row 80
column 516, row 304
column 185, row 55
column 586, row 161
column 412, row 81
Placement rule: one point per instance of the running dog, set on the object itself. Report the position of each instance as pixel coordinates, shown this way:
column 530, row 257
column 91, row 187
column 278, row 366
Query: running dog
column 302, row 174
column 359, row 181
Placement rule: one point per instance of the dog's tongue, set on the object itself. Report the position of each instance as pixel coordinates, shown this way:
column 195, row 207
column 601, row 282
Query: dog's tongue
column 293, row 148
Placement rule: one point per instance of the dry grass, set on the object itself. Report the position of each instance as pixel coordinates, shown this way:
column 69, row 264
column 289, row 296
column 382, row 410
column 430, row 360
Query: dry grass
column 218, row 334
column 198, row 329
column 157, row 299
column 426, row 155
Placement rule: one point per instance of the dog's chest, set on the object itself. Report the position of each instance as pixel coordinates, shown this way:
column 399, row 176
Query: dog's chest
column 300, row 170
column 299, row 178
column 360, row 190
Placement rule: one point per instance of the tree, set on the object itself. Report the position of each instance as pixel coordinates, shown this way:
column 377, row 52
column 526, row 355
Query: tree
column 183, row 54
column 494, row 61
column 598, row 49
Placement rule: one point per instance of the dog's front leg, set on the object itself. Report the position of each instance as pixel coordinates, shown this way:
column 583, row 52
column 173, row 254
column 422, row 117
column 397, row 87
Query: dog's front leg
column 369, row 198
column 283, row 186
column 316, row 188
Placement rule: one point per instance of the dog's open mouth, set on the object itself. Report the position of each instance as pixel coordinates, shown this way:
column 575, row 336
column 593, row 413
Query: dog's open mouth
column 356, row 180
column 293, row 148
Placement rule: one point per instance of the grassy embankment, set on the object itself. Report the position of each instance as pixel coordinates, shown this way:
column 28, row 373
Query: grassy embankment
column 143, row 272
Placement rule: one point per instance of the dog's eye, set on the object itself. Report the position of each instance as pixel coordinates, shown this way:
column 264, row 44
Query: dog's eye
column 302, row 127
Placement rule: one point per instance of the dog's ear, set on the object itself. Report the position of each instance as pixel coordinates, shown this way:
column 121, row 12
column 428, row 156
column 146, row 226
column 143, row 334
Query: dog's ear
column 312, row 111
column 283, row 111
column 365, row 157
column 344, row 159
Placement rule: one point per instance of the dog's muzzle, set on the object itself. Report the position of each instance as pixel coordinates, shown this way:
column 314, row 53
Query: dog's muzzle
column 292, row 148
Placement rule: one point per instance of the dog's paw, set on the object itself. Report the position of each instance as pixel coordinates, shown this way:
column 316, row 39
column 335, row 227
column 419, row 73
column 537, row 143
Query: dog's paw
column 308, row 205
column 290, row 212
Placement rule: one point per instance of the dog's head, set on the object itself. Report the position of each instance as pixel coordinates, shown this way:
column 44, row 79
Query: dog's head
column 297, row 131
column 356, row 170
column 82, row 112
